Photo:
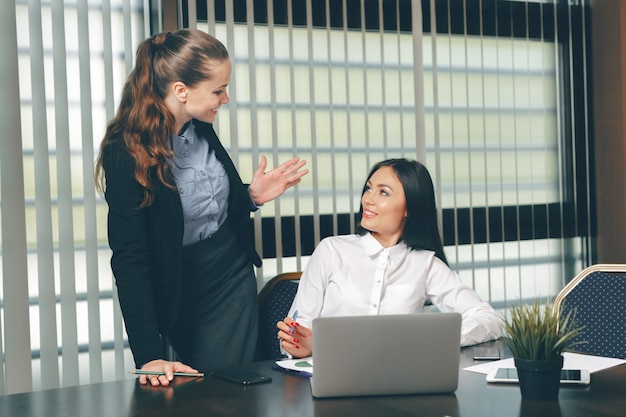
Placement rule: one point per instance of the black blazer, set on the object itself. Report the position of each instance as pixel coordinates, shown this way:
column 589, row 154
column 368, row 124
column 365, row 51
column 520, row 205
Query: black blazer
column 147, row 244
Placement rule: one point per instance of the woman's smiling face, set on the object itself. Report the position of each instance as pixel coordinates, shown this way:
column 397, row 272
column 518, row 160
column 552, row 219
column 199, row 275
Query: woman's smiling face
column 384, row 206
column 204, row 99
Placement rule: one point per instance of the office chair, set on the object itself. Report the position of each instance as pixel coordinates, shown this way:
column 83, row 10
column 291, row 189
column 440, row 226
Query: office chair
column 598, row 294
column 275, row 299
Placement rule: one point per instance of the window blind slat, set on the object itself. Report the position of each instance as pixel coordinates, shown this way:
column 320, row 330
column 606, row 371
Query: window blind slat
column 516, row 257
column 436, row 167
column 107, row 55
column 135, row 25
column 129, row 51
column 191, row 5
column 352, row 186
column 45, row 242
column 365, row 86
column 400, row 83
column 275, row 158
column 469, row 138
column 383, row 78
column 67, row 270
column 333, row 165
column 15, row 372
column 483, row 90
column 313, row 120
column 254, row 125
column 89, row 195
column 294, row 133
column 210, row 5
column 588, row 141
column 418, row 79
column 232, row 86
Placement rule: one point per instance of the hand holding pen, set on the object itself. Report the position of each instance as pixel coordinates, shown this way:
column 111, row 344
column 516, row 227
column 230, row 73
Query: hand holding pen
column 162, row 372
column 295, row 338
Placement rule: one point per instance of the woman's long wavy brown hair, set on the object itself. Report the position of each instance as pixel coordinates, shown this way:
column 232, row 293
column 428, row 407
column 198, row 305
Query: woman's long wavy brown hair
column 143, row 124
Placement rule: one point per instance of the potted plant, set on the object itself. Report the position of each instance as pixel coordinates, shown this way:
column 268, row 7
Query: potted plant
column 537, row 337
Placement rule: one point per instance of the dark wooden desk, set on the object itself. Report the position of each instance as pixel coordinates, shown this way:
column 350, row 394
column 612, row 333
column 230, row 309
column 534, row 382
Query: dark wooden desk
column 290, row 396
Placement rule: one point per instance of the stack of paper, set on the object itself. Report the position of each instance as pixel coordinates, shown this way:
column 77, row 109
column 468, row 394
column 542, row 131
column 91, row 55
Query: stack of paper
column 570, row 361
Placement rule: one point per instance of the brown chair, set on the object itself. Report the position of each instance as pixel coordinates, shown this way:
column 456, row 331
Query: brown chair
column 275, row 299
column 598, row 294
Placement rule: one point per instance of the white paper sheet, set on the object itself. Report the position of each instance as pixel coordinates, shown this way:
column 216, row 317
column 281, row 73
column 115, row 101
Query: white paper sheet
column 299, row 365
column 570, row 361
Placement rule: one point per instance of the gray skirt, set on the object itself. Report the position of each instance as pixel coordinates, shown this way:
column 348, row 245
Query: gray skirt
column 218, row 322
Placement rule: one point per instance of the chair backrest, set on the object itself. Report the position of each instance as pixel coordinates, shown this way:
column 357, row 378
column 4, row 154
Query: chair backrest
column 275, row 299
column 598, row 294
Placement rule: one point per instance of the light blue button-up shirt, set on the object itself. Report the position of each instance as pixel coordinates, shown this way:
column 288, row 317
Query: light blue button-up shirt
column 202, row 184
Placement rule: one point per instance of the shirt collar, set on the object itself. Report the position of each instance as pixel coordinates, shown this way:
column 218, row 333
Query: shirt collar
column 188, row 134
column 373, row 247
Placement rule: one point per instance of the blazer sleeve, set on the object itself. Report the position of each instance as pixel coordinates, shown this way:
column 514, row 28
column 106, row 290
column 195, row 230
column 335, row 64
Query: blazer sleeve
column 128, row 238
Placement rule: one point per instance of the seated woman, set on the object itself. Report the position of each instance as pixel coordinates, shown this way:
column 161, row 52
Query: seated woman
column 393, row 265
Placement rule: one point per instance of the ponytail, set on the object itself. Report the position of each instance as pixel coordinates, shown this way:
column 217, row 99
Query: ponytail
column 143, row 123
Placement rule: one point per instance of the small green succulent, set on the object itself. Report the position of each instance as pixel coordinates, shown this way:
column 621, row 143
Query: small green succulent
column 536, row 332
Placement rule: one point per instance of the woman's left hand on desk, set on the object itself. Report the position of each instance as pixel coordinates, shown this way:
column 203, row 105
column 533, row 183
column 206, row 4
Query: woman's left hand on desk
column 163, row 366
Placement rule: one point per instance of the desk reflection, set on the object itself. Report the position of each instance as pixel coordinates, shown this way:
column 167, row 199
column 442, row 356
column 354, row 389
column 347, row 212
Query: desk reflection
column 405, row 405
column 540, row 408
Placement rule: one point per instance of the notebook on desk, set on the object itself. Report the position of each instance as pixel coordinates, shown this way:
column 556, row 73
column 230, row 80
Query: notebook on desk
column 386, row 355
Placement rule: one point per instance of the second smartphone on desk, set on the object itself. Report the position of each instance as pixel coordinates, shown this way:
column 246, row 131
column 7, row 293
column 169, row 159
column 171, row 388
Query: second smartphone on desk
column 568, row 376
column 241, row 376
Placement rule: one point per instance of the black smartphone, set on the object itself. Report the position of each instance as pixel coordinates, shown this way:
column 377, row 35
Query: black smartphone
column 482, row 353
column 241, row 376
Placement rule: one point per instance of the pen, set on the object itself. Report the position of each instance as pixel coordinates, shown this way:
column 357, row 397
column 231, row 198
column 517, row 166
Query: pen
column 292, row 328
column 141, row 372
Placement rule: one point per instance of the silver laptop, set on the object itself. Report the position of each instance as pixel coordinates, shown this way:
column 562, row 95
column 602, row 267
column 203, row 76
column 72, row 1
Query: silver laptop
column 386, row 355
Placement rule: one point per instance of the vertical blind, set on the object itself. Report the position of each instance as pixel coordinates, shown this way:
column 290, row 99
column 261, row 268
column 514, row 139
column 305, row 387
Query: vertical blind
column 489, row 94
column 72, row 59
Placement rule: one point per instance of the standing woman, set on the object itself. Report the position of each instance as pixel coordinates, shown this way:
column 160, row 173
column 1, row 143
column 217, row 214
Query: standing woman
column 178, row 221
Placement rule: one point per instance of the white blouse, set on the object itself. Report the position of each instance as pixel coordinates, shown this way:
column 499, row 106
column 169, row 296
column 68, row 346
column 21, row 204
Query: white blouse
column 355, row 275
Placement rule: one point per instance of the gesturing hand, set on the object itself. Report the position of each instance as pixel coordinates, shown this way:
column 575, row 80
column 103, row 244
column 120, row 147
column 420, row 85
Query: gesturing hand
column 266, row 186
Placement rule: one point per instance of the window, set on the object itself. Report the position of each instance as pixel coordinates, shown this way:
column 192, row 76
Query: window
column 490, row 94
column 339, row 88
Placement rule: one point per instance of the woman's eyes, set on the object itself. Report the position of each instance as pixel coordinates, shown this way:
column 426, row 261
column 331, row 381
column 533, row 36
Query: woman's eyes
column 369, row 189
